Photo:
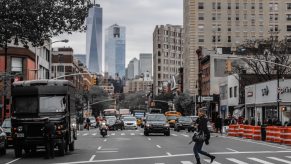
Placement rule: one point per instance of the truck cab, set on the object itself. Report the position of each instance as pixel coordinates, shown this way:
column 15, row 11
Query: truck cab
column 37, row 102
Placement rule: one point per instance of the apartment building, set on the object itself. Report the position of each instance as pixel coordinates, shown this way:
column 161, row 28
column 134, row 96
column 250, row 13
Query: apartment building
column 167, row 53
column 222, row 25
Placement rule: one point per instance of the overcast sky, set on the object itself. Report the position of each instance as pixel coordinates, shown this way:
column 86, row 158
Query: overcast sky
column 138, row 16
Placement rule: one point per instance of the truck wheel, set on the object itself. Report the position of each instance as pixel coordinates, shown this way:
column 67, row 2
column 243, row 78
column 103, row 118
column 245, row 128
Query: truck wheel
column 61, row 147
column 167, row 133
column 72, row 146
column 18, row 152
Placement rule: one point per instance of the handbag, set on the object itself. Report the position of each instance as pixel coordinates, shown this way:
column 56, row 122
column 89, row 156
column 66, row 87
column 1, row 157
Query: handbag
column 199, row 137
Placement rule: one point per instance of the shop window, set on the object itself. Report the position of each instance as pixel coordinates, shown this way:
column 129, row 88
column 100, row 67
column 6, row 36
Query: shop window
column 230, row 92
column 235, row 91
column 16, row 64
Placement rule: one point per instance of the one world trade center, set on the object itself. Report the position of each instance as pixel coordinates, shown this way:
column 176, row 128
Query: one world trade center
column 94, row 39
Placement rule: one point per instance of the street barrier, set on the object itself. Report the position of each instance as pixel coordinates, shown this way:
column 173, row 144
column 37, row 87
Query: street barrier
column 257, row 133
column 275, row 134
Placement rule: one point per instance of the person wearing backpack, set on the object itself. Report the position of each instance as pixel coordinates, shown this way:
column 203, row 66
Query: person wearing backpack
column 202, row 129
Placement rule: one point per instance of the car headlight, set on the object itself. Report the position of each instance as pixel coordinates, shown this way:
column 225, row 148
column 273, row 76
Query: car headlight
column 19, row 128
column 74, row 125
column 148, row 125
column 59, row 127
column 167, row 125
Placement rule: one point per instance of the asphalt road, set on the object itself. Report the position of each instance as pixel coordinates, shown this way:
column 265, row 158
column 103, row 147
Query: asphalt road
column 132, row 147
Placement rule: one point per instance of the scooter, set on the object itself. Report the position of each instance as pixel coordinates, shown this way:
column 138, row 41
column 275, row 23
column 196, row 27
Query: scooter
column 103, row 129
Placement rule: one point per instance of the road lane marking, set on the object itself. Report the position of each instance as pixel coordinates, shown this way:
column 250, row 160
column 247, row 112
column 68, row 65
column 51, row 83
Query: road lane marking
column 236, row 161
column 185, row 135
column 107, row 151
column 169, row 154
column 159, row 163
column 174, row 135
column 13, row 161
column 149, row 139
column 158, row 146
column 186, row 162
column 132, row 134
column 278, row 159
column 244, row 140
column 122, row 134
column 214, row 162
column 104, row 140
column 113, row 134
column 99, row 147
column 260, row 161
column 92, row 158
column 78, row 134
column 231, row 149
column 175, row 155
column 85, row 134
column 94, row 134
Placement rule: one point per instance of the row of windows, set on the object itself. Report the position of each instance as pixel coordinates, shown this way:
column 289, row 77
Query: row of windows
column 165, row 76
column 166, row 46
column 171, row 33
column 166, row 61
column 171, row 40
column 246, row 6
column 171, row 69
column 172, row 55
column 234, row 93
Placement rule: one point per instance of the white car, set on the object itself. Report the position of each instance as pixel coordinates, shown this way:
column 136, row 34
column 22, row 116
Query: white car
column 130, row 123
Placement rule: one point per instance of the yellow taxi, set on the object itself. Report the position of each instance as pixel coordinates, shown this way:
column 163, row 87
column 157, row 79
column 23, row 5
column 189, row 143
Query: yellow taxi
column 172, row 117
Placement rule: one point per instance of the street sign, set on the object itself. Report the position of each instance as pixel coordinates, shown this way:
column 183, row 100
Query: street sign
column 205, row 98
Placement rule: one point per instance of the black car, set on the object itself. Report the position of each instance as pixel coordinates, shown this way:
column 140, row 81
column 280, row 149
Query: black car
column 184, row 123
column 156, row 123
column 2, row 142
column 7, row 128
column 118, row 125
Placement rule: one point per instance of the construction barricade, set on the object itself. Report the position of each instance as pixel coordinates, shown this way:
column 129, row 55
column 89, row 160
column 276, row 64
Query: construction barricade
column 257, row 133
column 232, row 130
column 248, row 131
column 240, row 131
column 286, row 135
column 270, row 134
column 277, row 134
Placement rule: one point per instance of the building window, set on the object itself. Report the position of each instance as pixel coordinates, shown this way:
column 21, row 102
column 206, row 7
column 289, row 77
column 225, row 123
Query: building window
column 214, row 16
column 60, row 68
column 253, row 6
column 201, row 38
column 260, row 6
column 200, row 5
column 245, row 6
column 218, row 39
column 288, row 17
column 218, row 5
column 229, row 29
column 236, row 5
column 16, row 64
column 159, row 53
column 61, row 58
column 235, row 91
column 228, row 5
column 159, row 45
column 288, row 27
column 213, row 5
column 201, row 16
column 230, row 92
column 237, row 17
column 229, row 38
column 200, row 28
column 288, row 6
column 213, row 38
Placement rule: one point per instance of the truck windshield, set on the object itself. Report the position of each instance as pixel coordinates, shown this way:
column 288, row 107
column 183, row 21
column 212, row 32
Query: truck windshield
column 25, row 104
column 52, row 104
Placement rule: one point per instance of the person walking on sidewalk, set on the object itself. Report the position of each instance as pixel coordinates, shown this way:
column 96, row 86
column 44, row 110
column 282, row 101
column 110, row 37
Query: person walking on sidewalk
column 202, row 127
column 218, row 125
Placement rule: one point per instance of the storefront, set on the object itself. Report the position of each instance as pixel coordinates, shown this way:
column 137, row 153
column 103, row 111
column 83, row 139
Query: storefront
column 262, row 102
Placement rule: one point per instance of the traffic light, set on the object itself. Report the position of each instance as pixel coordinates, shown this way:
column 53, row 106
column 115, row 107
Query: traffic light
column 283, row 108
column 228, row 66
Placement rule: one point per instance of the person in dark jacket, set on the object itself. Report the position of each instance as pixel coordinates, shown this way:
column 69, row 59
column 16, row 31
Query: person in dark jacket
column 218, row 124
column 202, row 127
column 49, row 132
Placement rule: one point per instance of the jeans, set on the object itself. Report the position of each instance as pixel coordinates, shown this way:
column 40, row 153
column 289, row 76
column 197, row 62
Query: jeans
column 198, row 149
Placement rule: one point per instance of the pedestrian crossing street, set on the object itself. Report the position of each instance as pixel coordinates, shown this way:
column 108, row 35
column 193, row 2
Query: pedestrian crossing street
column 248, row 160
column 126, row 133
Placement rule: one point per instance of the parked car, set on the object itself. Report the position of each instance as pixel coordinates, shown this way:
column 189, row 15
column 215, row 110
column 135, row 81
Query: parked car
column 130, row 122
column 156, row 123
column 183, row 123
column 7, row 129
column 3, row 141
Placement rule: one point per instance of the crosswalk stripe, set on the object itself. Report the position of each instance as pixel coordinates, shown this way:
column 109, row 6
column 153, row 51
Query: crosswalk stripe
column 174, row 135
column 122, row 134
column 278, row 159
column 132, row 134
column 214, row 162
column 260, row 161
column 185, row 135
column 186, row 162
column 94, row 134
column 236, row 161
column 85, row 134
column 113, row 134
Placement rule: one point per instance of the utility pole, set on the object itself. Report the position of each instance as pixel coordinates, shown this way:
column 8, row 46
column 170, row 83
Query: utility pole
column 199, row 54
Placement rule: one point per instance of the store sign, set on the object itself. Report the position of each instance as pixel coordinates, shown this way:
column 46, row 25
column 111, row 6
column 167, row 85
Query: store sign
column 265, row 91
column 284, row 90
column 250, row 94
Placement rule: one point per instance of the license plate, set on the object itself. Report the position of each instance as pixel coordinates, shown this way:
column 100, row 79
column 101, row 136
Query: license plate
column 9, row 139
column 20, row 134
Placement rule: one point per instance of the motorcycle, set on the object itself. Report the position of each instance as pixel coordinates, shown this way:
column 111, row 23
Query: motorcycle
column 103, row 129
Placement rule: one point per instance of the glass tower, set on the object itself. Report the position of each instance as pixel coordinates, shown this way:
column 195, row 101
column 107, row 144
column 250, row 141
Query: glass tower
column 115, row 50
column 94, row 39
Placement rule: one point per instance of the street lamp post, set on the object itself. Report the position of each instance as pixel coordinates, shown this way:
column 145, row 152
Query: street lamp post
column 199, row 54
column 278, row 86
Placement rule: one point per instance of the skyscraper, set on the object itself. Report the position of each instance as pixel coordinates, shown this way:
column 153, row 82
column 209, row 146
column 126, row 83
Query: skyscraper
column 133, row 68
column 115, row 50
column 145, row 63
column 94, row 39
